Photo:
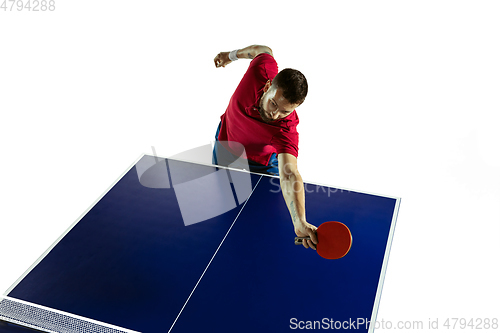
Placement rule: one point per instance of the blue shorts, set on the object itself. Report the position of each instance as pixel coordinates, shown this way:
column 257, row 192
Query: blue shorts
column 270, row 169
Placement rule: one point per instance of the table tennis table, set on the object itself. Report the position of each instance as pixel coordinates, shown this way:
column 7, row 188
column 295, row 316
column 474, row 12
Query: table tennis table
column 175, row 246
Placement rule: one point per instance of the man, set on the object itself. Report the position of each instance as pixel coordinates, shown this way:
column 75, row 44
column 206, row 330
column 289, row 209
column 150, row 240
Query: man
column 261, row 116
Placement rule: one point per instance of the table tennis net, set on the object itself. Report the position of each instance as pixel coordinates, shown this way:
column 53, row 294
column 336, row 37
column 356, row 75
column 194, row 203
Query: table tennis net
column 49, row 320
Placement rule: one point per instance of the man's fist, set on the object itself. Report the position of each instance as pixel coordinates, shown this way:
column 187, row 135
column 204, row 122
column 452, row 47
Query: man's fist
column 304, row 229
column 222, row 59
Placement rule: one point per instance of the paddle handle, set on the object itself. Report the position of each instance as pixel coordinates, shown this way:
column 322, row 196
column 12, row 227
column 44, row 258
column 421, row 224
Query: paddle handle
column 298, row 240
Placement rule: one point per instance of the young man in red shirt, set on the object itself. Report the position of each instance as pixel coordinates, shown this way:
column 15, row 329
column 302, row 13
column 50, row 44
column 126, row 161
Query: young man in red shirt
column 261, row 116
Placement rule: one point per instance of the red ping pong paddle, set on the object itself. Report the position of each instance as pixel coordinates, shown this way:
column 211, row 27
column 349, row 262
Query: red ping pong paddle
column 334, row 240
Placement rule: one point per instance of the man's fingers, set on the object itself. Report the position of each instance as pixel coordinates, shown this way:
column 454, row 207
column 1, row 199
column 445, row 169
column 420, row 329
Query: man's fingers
column 218, row 60
column 308, row 244
column 312, row 234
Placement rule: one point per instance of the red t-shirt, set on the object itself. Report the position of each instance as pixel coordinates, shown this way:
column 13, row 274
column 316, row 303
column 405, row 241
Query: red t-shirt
column 242, row 122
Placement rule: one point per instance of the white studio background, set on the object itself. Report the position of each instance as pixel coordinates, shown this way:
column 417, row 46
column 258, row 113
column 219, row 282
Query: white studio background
column 403, row 101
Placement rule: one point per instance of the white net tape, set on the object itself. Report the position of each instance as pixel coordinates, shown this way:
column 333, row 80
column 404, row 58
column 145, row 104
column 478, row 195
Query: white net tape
column 47, row 320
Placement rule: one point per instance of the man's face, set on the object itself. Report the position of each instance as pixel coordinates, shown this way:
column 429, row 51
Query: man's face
column 273, row 105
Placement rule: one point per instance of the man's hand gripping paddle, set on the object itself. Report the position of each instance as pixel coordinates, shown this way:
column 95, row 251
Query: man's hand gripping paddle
column 334, row 240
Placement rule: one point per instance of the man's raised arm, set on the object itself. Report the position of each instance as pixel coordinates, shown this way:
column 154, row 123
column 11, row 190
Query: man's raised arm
column 249, row 52
column 292, row 188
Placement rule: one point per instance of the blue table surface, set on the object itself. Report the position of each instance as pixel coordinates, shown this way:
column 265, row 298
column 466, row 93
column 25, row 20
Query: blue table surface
column 131, row 261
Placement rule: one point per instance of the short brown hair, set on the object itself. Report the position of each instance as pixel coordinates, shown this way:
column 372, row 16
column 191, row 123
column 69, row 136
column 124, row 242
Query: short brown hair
column 293, row 84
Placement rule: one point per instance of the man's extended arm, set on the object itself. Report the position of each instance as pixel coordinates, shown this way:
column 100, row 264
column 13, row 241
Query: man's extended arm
column 292, row 188
column 249, row 52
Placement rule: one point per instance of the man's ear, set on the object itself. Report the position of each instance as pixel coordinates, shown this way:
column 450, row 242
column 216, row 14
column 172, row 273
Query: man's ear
column 268, row 85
